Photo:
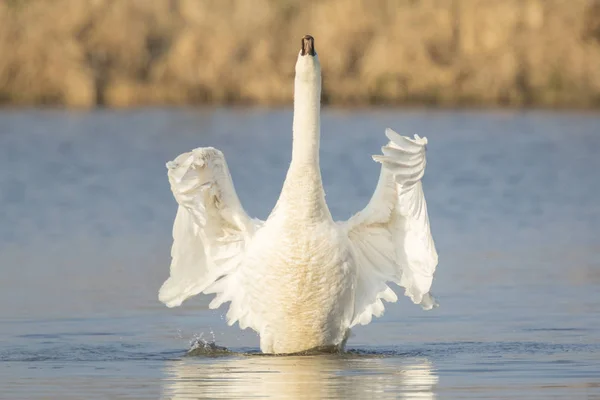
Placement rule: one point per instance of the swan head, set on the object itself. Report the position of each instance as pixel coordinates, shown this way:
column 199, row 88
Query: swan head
column 308, row 66
column 307, row 46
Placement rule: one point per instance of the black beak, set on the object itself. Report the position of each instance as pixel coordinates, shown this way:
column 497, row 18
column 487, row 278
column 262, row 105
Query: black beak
column 308, row 46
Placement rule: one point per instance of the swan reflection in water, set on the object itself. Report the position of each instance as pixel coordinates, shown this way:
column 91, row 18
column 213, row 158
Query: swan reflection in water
column 300, row 377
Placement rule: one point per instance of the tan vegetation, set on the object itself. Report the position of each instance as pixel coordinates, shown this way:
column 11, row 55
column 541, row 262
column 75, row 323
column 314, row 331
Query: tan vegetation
column 121, row 53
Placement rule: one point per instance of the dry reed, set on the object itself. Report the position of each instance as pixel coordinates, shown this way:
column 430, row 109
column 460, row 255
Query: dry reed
column 83, row 53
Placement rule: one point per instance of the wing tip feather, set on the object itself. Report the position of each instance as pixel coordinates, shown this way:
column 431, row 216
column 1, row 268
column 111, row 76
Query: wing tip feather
column 398, row 139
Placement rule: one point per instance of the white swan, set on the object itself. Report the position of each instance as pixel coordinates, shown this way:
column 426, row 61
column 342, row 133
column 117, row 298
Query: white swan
column 300, row 279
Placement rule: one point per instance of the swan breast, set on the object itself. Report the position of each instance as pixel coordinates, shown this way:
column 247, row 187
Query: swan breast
column 306, row 285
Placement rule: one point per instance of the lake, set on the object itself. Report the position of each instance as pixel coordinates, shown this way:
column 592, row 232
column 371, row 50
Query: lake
column 85, row 223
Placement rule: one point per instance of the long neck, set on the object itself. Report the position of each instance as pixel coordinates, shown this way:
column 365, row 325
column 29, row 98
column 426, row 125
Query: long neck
column 307, row 122
column 302, row 195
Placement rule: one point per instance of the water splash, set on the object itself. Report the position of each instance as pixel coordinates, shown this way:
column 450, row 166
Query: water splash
column 206, row 348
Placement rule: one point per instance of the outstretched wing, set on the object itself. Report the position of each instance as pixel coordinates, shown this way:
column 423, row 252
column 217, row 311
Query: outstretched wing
column 211, row 229
column 391, row 238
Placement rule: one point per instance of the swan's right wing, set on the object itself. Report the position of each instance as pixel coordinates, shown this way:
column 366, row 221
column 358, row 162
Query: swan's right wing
column 391, row 238
column 211, row 229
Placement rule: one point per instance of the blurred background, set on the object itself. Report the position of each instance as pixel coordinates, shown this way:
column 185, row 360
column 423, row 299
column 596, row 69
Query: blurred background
column 86, row 53
column 96, row 95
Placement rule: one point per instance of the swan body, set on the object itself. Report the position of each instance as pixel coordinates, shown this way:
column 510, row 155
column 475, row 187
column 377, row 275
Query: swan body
column 300, row 279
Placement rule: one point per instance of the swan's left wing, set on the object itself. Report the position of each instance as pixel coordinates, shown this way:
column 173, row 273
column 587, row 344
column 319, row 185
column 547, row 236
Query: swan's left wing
column 210, row 233
column 390, row 238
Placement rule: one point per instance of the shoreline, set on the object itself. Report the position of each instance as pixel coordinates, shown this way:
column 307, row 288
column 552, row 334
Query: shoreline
column 513, row 54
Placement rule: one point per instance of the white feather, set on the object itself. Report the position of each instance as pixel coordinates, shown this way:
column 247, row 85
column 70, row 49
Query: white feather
column 211, row 229
column 391, row 237
column 299, row 279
